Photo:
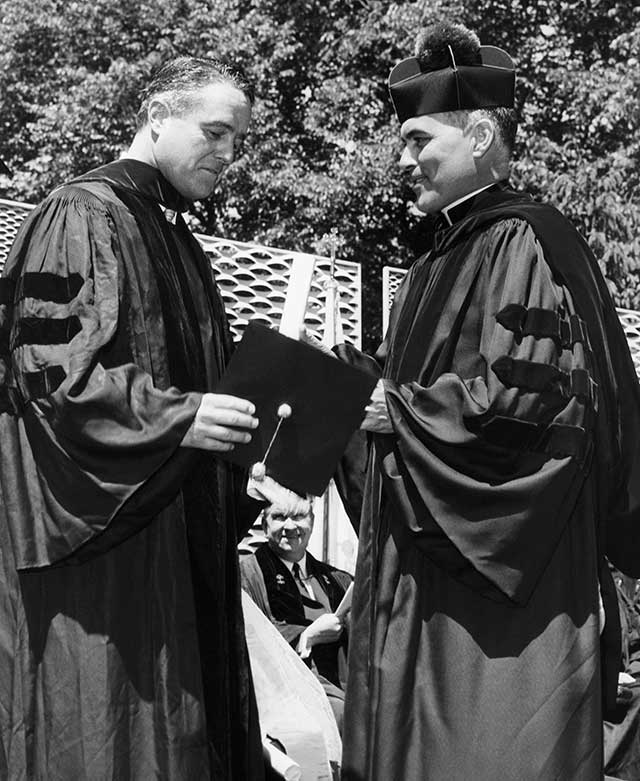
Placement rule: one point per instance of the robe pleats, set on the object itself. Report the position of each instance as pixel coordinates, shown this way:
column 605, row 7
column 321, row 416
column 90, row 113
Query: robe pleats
column 476, row 650
column 122, row 652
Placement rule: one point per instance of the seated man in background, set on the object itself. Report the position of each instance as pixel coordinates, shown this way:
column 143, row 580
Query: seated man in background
column 299, row 594
column 621, row 728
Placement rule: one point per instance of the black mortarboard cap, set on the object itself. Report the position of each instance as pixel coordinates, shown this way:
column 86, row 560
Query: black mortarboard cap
column 327, row 399
column 416, row 91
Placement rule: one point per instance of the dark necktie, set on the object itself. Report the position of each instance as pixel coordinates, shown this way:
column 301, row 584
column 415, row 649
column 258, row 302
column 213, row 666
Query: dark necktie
column 297, row 576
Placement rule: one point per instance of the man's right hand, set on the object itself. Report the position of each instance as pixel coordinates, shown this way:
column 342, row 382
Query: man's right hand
column 220, row 422
column 327, row 628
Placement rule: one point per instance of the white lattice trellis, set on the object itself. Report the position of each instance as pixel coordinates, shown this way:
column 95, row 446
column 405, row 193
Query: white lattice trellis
column 631, row 324
column 391, row 279
column 252, row 279
column 630, row 319
column 12, row 214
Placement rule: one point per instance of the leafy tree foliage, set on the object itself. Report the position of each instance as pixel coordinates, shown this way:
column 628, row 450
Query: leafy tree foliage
column 324, row 142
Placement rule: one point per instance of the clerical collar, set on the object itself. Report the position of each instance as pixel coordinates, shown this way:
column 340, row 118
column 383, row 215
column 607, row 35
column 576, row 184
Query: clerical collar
column 141, row 177
column 302, row 564
column 458, row 209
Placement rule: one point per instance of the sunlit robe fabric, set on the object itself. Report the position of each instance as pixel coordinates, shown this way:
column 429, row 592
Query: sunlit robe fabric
column 476, row 649
column 122, row 652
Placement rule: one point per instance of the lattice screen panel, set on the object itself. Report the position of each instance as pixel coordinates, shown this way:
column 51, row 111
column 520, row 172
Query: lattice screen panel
column 252, row 279
column 631, row 323
column 391, row 279
column 630, row 319
column 11, row 216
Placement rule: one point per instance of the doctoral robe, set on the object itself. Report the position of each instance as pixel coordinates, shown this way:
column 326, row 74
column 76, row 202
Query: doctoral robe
column 475, row 650
column 122, row 652
column 270, row 584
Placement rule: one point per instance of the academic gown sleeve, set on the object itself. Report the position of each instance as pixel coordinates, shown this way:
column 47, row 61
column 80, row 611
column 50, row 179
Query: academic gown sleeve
column 487, row 457
column 493, row 458
column 90, row 444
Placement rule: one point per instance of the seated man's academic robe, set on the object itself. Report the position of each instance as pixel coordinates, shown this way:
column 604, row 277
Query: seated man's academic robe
column 269, row 582
column 514, row 465
column 122, row 652
column 622, row 728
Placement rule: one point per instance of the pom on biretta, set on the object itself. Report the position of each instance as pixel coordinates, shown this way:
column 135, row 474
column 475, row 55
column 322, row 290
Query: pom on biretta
column 308, row 404
column 451, row 72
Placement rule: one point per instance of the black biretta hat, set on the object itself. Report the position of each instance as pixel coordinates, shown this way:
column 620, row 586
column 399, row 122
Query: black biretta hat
column 416, row 91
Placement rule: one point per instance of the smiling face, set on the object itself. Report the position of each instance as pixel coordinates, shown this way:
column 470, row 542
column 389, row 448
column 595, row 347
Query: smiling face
column 287, row 535
column 439, row 160
column 194, row 148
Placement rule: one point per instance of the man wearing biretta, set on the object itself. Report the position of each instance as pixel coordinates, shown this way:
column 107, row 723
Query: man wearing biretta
column 505, row 429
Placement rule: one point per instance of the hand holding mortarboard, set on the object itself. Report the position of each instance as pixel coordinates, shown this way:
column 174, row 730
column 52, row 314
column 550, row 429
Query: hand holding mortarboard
column 308, row 402
column 220, row 422
column 325, row 401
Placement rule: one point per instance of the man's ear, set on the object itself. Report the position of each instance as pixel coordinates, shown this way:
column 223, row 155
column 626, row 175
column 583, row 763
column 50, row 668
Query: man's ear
column 483, row 136
column 157, row 113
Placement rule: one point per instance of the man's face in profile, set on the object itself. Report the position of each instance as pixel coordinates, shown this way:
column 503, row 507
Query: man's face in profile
column 438, row 161
column 288, row 535
column 193, row 149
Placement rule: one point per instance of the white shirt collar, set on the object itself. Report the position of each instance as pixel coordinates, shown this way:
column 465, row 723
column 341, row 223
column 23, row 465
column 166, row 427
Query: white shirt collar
column 302, row 564
column 446, row 209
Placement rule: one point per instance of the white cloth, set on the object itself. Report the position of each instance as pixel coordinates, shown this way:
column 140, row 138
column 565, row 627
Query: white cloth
column 292, row 705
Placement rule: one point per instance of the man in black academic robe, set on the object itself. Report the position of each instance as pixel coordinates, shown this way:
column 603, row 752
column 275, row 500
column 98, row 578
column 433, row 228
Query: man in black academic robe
column 122, row 651
column 504, row 464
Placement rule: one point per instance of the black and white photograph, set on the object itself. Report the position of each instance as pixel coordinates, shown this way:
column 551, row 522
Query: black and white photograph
column 320, row 390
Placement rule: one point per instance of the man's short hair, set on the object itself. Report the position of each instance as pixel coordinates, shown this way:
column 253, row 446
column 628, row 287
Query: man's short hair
column 505, row 121
column 267, row 510
column 434, row 46
column 179, row 80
